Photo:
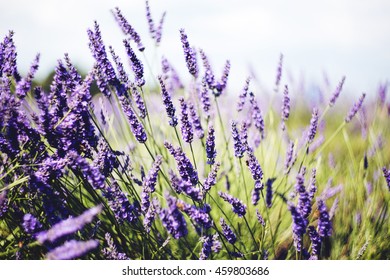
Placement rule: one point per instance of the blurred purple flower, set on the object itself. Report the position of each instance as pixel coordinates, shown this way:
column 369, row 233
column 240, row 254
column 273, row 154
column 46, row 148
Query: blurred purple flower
column 111, row 252
column 285, row 108
column 31, row 224
column 211, row 151
column 324, row 223
column 211, row 179
column 228, row 232
column 195, row 121
column 72, row 249
column 136, row 64
column 190, row 54
column 356, row 107
column 315, row 241
column 173, row 220
column 337, row 92
column 260, row 218
column 256, row 115
column 238, row 206
column 313, row 126
column 243, row 94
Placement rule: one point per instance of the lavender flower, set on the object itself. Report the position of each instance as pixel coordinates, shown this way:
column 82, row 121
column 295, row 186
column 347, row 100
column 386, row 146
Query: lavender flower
column 68, row 226
column 136, row 64
column 139, row 102
column 386, row 174
column 210, row 243
column 244, row 135
column 190, row 55
column 150, row 216
column 220, row 86
column 106, row 160
column 135, row 125
column 312, row 187
column 211, row 179
column 243, row 94
column 382, row 93
column 333, row 209
column 209, row 78
column 324, row 223
column 185, row 167
column 289, row 161
column 304, row 202
column 199, row 215
column 186, row 125
column 151, row 179
column 159, row 29
column 24, row 85
column 227, row 232
column 211, row 151
column 72, row 249
column 3, row 203
column 238, row 206
column 269, row 193
column 257, row 175
column 337, row 92
column 149, row 18
column 120, row 204
column 298, row 226
column 122, row 75
column 260, row 218
column 279, row 72
column 8, row 65
column 31, row 224
column 315, row 241
column 182, row 186
column 127, row 29
column 285, row 108
column 355, row 109
column 111, row 252
column 173, row 220
column 170, row 109
column 257, row 115
column 238, row 147
column 313, row 126
column 195, row 121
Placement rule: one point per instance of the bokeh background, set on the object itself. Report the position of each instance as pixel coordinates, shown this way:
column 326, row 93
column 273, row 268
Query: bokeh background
column 320, row 40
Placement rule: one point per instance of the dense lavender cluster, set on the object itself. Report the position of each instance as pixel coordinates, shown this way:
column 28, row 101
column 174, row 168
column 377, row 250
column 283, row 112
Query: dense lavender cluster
column 238, row 206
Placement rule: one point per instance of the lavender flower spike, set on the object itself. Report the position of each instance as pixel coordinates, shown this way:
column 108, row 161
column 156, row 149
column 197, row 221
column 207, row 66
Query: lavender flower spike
column 30, row 224
column 111, row 252
column 238, row 206
column 186, row 125
column 227, row 232
column 69, row 226
column 355, row 108
column 324, row 223
column 238, row 147
column 211, row 152
column 313, row 126
column 285, row 108
column 298, row 226
column 260, row 218
column 243, row 94
column 136, row 64
column 211, row 179
column 337, row 92
column 173, row 220
column 72, row 249
column 167, row 100
column 135, row 125
column 386, row 174
column 257, row 175
column 190, row 55
column 195, row 121
column 279, row 72
column 315, row 241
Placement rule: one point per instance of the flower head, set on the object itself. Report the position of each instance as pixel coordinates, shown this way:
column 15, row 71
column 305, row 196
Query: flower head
column 238, row 206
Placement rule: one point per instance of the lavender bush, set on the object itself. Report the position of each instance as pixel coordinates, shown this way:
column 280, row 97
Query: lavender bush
column 152, row 167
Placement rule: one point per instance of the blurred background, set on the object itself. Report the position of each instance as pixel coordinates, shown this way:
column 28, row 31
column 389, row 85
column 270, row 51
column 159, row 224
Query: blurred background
column 321, row 40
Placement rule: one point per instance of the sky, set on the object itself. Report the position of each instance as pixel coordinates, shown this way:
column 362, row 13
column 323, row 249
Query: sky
column 318, row 39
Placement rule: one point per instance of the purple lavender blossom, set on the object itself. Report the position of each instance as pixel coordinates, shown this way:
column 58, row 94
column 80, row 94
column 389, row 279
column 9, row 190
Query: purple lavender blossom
column 279, row 72
column 315, row 241
column 228, row 232
column 220, row 85
column 149, row 184
column 298, row 226
column 136, row 126
column 257, row 175
column 24, row 85
column 167, row 100
column 136, row 64
column 211, row 179
column 269, row 193
column 313, row 126
column 238, row 147
column 31, row 224
column 185, row 167
column 257, row 116
column 334, row 207
column 199, row 215
column 68, row 226
column 337, row 92
column 260, row 218
column 159, row 29
column 173, row 220
column 72, row 249
column 304, row 202
column 210, row 243
column 122, row 75
column 324, row 223
column 181, row 186
column 209, row 78
column 195, row 121
column 139, row 101
column 149, row 18
column 243, row 94
column 3, row 203
column 111, row 252
column 356, row 107
column 127, row 29
column 285, row 108
column 8, row 65
column 382, row 91
column 190, row 54
column 386, row 174
column 211, row 151
column 289, row 161
column 106, row 160
column 186, row 125
column 312, row 188
column 238, row 206
column 244, row 135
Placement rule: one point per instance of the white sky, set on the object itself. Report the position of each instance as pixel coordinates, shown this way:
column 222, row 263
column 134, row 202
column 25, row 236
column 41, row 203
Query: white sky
column 339, row 37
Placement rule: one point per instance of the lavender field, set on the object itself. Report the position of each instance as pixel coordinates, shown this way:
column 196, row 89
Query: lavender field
column 162, row 164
